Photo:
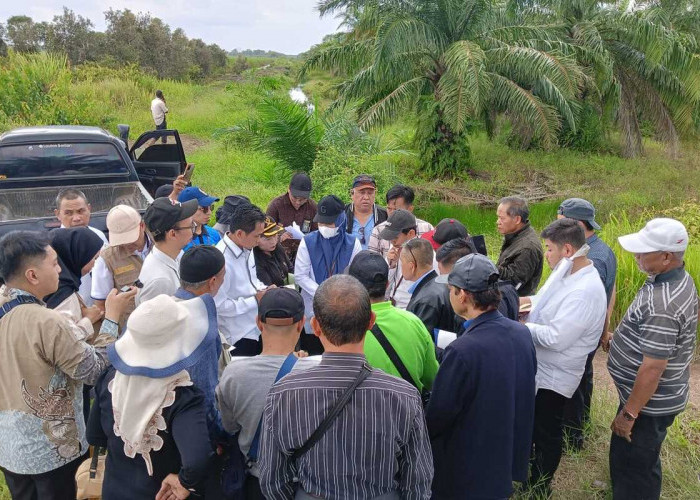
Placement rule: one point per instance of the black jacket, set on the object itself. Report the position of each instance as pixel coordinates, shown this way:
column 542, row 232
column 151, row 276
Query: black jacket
column 509, row 306
column 521, row 260
column 272, row 269
column 380, row 215
column 430, row 301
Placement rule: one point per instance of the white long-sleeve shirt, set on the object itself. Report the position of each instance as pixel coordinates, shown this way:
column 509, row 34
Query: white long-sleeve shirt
column 158, row 110
column 236, row 305
column 305, row 278
column 566, row 327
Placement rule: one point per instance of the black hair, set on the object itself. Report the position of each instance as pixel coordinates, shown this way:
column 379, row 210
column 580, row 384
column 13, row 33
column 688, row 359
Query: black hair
column 516, row 206
column 246, row 217
column 488, row 299
column 159, row 93
column 18, row 248
column 69, row 194
column 342, row 308
column 563, row 231
column 421, row 250
column 409, row 229
column 588, row 225
column 453, row 250
column 401, row 191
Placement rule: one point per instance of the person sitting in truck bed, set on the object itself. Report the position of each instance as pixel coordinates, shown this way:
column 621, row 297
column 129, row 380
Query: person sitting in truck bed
column 73, row 210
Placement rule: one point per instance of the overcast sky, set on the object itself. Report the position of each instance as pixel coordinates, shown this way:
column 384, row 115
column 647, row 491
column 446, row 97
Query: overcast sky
column 287, row 26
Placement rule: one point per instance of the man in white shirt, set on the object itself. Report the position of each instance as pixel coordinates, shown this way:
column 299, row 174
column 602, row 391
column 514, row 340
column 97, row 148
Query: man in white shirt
column 158, row 110
column 565, row 322
column 237, row 300
column 74, row 210
column 171, row 225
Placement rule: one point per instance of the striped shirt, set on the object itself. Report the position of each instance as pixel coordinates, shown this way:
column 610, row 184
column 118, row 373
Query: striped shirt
column 377, row 445
column 661, row 323
column 380, row 246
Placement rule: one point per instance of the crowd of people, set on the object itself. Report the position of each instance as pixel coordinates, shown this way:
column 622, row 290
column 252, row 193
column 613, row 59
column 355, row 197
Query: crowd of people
column 330, row 350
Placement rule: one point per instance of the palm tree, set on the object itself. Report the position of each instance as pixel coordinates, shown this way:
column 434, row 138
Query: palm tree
column 643, row 69
column 454, row 62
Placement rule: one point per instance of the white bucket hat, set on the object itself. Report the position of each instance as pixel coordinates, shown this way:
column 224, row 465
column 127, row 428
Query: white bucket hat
column 162, row 336
column 659, row 235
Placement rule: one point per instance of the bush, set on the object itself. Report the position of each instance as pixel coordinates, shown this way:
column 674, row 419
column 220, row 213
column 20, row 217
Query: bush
column 334, row 169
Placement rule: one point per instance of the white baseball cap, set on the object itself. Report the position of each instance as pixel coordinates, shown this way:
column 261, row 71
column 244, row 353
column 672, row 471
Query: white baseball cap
column 659, row 235
column 123, row 223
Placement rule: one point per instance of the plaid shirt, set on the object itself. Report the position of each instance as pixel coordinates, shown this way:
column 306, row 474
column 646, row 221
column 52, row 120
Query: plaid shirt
column 381, row 247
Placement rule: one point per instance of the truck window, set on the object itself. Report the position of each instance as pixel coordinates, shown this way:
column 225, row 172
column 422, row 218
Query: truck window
column 25, row 161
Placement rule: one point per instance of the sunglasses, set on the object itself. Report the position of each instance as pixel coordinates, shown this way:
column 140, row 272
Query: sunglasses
column 192, row 227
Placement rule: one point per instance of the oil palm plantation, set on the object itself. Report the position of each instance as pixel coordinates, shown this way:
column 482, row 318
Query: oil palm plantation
column 644, row 71
column 454, row 62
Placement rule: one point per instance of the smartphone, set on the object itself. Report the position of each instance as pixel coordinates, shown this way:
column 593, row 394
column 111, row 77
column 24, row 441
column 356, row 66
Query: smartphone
column 188, row 172
column 126, row 288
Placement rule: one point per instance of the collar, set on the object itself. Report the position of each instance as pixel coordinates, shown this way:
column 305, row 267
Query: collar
column 235, row 249
column 482, row 318
column 342, row 359
column 382, row 306
column 512, row 236
column 415, row 284
column 592, row 238
column 13, row 293
column 165, row 259
column 669, row 276
column 183, row 294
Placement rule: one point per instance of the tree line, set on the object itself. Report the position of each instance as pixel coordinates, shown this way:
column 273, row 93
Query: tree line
column 549, row 73
column 130, row 38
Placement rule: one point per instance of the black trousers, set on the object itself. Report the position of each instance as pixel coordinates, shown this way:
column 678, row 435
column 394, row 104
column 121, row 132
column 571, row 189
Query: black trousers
column 547, row 438
column 251, row 489
column 635, row 468
column 58, row 484
column 247, row 347
column 577, row 411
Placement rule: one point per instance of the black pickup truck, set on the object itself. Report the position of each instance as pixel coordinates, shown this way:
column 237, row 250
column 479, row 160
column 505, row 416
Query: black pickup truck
column 37, row 162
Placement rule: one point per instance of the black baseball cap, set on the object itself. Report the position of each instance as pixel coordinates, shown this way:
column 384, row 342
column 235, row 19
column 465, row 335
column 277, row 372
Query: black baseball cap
column 231, row 203
column 579, row 209
column 473, row 273
column 364, row 179
column 369, row 268
column 163, row 214
column 329, row 208
column 281, row 307
column 200, row 263
column 449, row 229
column 300, row 185
column 400, row 220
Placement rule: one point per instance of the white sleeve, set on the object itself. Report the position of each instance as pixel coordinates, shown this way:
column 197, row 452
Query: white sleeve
column 229, row 307
column 102, row 280
column 355, row 250
column 259, row 285
column 303, row 269
column 572, row 319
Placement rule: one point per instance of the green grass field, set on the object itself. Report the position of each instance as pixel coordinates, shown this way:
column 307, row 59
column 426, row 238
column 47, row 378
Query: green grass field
column 626, row 192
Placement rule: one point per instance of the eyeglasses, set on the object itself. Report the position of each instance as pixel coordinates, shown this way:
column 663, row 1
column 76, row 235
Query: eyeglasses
column 205, row 210
column 192, row 227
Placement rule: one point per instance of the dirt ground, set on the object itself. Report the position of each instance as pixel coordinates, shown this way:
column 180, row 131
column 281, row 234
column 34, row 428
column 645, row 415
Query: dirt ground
column 191, row 143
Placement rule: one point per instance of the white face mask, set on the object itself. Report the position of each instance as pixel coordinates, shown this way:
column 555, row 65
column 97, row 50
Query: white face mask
column 328, row 232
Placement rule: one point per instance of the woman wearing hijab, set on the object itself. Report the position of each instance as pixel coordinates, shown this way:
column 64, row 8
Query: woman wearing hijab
column 322, row 254
column 147, row 413
column 77, row 249
column 271, row 262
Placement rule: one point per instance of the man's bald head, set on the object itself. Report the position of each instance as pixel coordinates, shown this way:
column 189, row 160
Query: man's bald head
column 342, row 309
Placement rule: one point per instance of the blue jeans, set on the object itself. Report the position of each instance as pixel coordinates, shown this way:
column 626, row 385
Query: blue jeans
column 635, row 468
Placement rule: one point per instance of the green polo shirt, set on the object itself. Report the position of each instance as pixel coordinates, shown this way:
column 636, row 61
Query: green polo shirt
column 411, row 341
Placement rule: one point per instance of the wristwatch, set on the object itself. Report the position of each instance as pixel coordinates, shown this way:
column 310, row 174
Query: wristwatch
column 628, row 416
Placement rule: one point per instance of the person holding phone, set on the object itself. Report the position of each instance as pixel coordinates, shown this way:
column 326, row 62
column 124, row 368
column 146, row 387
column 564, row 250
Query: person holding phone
column 203, row 233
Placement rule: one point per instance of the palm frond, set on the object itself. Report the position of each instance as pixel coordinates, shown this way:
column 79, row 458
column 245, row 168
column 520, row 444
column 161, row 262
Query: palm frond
column 388, row 106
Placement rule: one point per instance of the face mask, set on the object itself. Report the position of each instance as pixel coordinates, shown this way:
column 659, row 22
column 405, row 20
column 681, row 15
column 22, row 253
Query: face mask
column 328, row 232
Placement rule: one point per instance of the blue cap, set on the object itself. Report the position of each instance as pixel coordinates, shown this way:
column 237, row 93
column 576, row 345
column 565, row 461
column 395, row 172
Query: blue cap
column 194, row 193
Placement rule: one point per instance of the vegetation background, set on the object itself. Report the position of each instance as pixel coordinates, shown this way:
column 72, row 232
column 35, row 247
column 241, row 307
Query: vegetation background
column 247, row 136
